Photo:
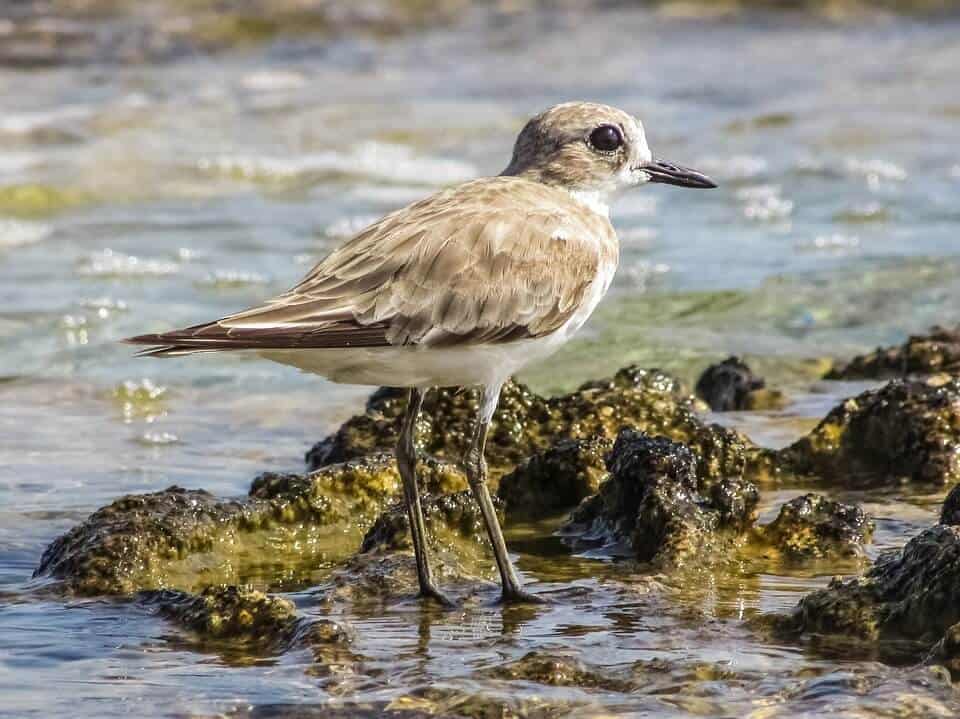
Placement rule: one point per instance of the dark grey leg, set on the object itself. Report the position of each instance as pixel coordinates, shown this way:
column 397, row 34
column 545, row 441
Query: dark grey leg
column 407, row 466
column 476, row 469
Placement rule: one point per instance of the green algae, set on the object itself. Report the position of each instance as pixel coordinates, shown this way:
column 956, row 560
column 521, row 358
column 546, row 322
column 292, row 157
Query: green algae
column 32, row 201
column 186, row 539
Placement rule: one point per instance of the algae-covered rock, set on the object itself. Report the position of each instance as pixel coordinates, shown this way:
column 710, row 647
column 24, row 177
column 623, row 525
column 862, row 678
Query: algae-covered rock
column 813, row 527
column 137, row 541
column 451, row 519
column 557, row 670
column 556, row 479
column 913, row 593
column 378, row 577
column 731, row 385
column 229, row 612
column 946, row 652
column 935, row 352
column 658, row 505
column 242, row 624
column 526, row 423
column 906, row 431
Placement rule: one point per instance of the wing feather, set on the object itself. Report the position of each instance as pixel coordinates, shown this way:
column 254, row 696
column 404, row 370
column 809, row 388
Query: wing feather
column 493, row 260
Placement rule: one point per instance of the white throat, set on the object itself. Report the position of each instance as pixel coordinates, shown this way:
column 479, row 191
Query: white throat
column 593, row 200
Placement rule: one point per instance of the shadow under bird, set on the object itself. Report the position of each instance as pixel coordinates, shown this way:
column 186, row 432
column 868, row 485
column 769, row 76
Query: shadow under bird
column 462, row 288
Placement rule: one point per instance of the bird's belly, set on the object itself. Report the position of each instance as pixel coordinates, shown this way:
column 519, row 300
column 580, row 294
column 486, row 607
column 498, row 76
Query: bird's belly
column 439, row 366
column 416, row 366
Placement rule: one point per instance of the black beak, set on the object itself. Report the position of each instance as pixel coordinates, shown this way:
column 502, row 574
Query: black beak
column 660, row 171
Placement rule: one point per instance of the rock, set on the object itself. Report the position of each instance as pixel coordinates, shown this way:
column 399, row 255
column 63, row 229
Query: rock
column 946, row 652
column 526, row 423
column 450, row 518
column 906, row 431
column 243, row 623
column 731, row 385
column 556, row 479
column 907, row 594
column 950, row 514
column 142, row 541
column 814, row 527
column 659, row 505
column 930, row 354
column 556, row 670
column 371, row 580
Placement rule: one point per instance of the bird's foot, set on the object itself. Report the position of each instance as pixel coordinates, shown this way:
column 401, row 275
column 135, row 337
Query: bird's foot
column 518, row 595
column 428, row 591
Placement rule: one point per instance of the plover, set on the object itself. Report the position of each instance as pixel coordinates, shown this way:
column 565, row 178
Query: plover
column 462, row 288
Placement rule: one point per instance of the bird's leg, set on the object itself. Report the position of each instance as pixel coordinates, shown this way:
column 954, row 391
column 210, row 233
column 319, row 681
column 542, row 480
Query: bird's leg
column 407, row 466
column 476, row 468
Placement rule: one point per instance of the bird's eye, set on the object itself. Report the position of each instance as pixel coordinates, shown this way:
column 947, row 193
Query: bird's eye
column 606, row 138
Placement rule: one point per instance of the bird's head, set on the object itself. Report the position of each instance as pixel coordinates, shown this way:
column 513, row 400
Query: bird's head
column 586, row 147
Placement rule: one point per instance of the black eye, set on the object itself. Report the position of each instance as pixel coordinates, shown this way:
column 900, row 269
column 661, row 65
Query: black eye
column 606, row 138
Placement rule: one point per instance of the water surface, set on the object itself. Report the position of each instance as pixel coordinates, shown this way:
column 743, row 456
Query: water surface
column 135, row 198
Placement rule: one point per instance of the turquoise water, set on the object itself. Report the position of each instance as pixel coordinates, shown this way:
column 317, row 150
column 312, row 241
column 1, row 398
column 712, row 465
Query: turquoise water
column 136, row 198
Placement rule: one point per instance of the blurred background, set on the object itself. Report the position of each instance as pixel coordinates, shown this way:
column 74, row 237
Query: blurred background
column 163, row 163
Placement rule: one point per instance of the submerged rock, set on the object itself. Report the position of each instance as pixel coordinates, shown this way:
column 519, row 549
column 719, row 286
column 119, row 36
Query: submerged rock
column 906, row 431
column 813, row 527
column 935, row 352
column 526, row 423
column 451, row 519
column 946, row 652
column 659, row 505
column 731, row 385
column 908, row 594
column 556, row 670
column 137, row 541
column 556, row 479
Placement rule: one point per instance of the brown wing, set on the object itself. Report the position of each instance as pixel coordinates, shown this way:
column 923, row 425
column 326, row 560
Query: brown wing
column 493, row 260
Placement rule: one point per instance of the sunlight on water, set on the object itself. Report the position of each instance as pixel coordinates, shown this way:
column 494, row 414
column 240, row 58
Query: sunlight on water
column 139, row 197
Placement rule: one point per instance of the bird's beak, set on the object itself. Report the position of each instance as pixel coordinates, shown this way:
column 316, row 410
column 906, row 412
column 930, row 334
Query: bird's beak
column 660, row 171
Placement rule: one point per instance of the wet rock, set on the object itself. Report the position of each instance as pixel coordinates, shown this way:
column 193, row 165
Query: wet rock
column 526, row 423
column 374, row 579
column 452, row 519
column 242, row 624
column 907, row 431
column 140, row 541
column 557, row 479
column 731, row 385
column 658, row 505
column 950, row 514
column 813, row 527
column 946, row 652
column 907, row 594
column 936, row 352
column 556, row 670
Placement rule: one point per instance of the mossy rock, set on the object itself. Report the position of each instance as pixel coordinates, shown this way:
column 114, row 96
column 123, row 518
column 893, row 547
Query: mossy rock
column 906, row 431
column 659, row 506
column 814, row 527
column 911, row 594
column 142, row 541
column 526, row 423
column 933, row 353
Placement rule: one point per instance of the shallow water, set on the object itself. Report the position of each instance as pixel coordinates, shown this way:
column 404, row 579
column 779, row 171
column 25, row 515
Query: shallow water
column 136, row 198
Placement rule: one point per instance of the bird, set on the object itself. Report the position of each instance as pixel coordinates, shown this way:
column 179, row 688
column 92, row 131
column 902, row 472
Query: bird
column 460, row 289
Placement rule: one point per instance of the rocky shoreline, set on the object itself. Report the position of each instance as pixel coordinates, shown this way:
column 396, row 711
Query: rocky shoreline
column 625, row 467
